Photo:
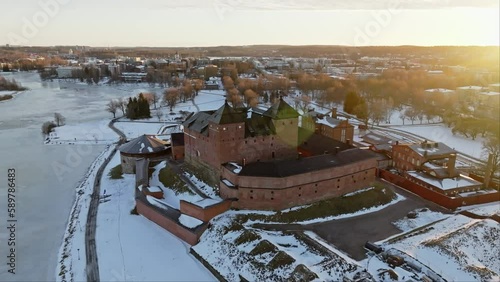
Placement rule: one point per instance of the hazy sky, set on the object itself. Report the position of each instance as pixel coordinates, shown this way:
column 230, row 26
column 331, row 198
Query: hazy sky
column 242, row 22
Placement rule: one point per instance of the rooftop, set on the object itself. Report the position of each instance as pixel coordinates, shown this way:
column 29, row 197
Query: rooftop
column 432, row 149
column 145, row 144
column 460, row 181
column 304, row 165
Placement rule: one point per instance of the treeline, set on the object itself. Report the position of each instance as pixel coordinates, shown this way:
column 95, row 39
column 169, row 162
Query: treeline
column 137, row 108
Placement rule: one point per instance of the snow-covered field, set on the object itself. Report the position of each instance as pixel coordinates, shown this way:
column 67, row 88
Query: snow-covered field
column 484, row 209
column 458, row 248
column 135, row 129
column 83, row 133
column 441, row 133
column 132, row 248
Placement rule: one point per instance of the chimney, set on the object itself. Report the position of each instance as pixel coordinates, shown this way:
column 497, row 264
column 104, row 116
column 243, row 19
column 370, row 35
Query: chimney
column 337, row 150
column 451, row 165
column 487, row 173
column 334, row 112
column 349, row 142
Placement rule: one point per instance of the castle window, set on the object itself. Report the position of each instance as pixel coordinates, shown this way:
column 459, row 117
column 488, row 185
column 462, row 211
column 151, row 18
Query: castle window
column 300, row 195
column 246, row 142
column 251, row 198
column 291, row 122
column 251, row 191
column 271, row 144
column 316, row 184
column 272, row 192
column 315, row 191
column 272, row 155
column 272, row 198
column 283, row 123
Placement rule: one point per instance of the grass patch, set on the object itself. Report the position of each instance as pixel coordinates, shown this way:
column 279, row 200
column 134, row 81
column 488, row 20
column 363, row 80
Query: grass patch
column 116, row 172
column 235, row 226
column 280, row 259
column 5, row 97
column 302, row 273
column 263, row 247
column 337, row 206
column 246, row 237
column 172, row 180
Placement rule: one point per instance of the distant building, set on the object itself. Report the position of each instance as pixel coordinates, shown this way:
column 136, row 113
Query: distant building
column 435, row 158
column 329, row 126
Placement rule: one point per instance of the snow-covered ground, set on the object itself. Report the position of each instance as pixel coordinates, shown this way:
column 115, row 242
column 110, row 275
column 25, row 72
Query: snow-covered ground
column 171, row 199
column 441, row 133
column 204, row 187
column 132, row 248
column 458, row 248
column 227, row 250
column 71, row 265
column 483, row 209
column 135, row 129
column 423, row 218
column 83, row 133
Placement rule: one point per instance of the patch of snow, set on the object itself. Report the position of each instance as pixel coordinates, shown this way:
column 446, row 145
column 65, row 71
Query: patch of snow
column 189, row 221
column 358, row 191
column 154, row 189
column 423, row 218
column 207, row 202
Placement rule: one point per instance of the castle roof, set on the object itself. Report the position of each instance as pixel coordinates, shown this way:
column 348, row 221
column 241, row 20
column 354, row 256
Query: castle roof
column 281, row 110
column 227, row 114
column 304, row 165
column 145, row 144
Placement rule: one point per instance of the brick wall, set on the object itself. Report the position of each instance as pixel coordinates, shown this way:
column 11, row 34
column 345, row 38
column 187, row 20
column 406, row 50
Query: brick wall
column 206, row 213
column 438, row 198
column 168, row 224
column 178, row 152
column 277, row 193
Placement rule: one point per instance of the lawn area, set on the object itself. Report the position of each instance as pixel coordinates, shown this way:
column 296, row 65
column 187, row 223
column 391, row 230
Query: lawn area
column 377, row 196
column 171, row 180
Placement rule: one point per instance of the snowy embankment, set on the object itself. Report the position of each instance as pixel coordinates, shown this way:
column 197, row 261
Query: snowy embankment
column 457, row 248
column 236, row 251
column 441, row 133
column 71, row 262
column 132, row 248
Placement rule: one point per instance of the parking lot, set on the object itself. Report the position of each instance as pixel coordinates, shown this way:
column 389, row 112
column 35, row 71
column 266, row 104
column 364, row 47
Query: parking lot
column 350, row 234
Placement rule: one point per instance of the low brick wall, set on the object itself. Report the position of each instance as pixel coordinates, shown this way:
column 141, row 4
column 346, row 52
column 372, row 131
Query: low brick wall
column 204, row 214
column 438, row 198
column 150, row 212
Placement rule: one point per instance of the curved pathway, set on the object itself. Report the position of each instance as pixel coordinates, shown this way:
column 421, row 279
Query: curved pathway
column 92, row 267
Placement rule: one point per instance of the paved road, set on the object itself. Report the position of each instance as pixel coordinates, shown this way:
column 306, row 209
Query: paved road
column 92, row 267
column 350, row 234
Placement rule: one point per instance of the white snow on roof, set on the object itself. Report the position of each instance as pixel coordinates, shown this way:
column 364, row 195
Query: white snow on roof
column 154, row 189
column 228, row 183
column 206, row 202
column 470, row 87
column 150, row 149
column 441, row 90
column 142, row 147
column 237, row 167
column 189, row 221
column 490, row 93
column 446, row 183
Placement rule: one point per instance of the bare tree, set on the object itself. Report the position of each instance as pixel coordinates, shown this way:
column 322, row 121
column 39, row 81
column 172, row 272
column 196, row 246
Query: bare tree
column 186, row 90
column 47, row 127
column 158, row 114
column 198, row 85
column 59, row 119
column 233, row 96
column 122, row 105
column 112, row 107
column 251, row 98
column 491, row 147
column 170, row 97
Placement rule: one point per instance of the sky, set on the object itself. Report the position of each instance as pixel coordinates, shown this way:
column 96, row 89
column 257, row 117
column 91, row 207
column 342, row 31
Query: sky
column 190, row 23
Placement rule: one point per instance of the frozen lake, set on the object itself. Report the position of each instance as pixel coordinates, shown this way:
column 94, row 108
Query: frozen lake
column 46, row 175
